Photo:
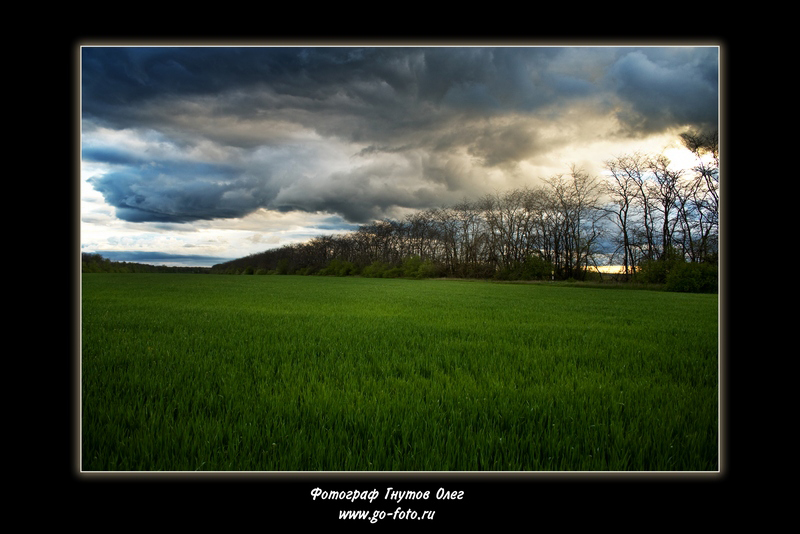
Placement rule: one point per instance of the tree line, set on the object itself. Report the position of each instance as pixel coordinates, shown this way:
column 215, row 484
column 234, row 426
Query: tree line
column 96, row 263
column 653, row 220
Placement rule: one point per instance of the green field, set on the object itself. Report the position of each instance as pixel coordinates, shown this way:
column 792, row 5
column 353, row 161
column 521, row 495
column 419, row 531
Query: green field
column 186, row 372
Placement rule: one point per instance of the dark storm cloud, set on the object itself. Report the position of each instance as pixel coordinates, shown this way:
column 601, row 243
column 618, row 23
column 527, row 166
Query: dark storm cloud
column 115, row 80
column 664, row 91
column 273, row 127
column 390, row 83
column 177, row 192
column 110, row 155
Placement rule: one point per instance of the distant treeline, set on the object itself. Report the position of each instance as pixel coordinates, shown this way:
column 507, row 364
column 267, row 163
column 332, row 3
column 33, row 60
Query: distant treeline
column 661, row 225
column 95, row 263
column 526, row 233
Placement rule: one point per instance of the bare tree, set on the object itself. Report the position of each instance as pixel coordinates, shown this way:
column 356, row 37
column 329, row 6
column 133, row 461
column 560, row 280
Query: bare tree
column 508, row 224
column 665, row 191
column 701, row 195
column 576, row 198
column 469, row 232
column 635, row 171
column 621, row 189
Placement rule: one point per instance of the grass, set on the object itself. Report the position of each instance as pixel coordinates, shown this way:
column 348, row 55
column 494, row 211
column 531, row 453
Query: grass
column 288, row 373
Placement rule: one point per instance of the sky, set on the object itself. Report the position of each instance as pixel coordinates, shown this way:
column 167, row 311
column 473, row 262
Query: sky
column 195, row 155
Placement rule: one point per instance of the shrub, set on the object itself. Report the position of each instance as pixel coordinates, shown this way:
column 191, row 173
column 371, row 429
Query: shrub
column 338, row 267
column 693, row 278
column 416, row 267
column 532, row 268
column 535, row 268
column 283, row 266
column 476, row 270
column 332, row 269
column 652, row 272
column 375, row 269
column 655, row 271
column 394, row 272
column 310, row 270
column 506, row 273
column 411, row 266
column 428, row 269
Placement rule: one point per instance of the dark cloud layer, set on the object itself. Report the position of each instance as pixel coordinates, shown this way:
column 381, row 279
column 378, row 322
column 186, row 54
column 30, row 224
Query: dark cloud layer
column 220, row 132
column 662, row 93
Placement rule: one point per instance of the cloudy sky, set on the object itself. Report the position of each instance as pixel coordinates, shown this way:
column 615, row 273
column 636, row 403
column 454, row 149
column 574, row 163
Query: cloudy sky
column 196, row 155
